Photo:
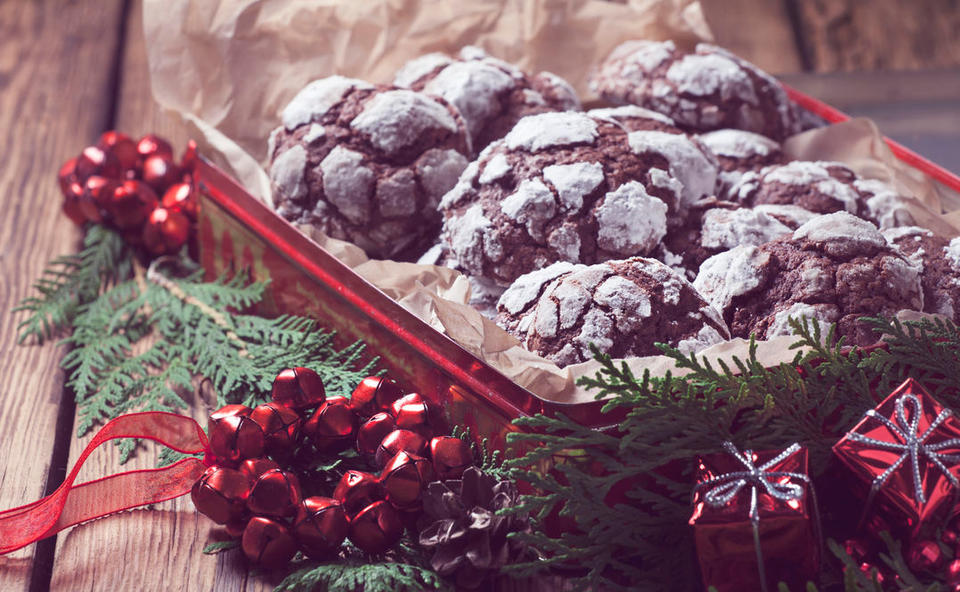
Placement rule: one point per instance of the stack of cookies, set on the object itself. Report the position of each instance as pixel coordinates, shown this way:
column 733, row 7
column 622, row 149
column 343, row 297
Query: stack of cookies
column 671, row 216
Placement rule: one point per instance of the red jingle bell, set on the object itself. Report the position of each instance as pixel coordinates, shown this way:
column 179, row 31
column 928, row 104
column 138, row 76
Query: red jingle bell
column 165, row 232
column 67, row 175
column 376, row 528
column 332, row 425
column 252, row 468
column 97, row 193
column 235, row 528
column 357, row 490
column 181, row 197
column 152, row 144
column 397, row 440
column 404, row 478
column 924, row 555
column 374, row 394
column 274, row 493
column 130, row 203
column 320, row 526
column 226, row 411
column 96, row 161
column 298, row 388
column 280, row 425
column 71, row 203
column 410, row 411
column 268, row 543
column 451, row 456
column 234, row 436
column 953, row 573
column 373, row 431
column 160, row 172
column 221, row 494
column 123, row 147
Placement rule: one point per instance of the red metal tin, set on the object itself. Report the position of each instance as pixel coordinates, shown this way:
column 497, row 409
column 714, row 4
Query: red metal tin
column 237, row 231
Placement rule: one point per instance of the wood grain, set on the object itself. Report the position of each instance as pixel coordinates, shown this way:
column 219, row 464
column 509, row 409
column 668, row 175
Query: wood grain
column 157, row 548
column 844, row 35
column 54, row 83
column 757, row 30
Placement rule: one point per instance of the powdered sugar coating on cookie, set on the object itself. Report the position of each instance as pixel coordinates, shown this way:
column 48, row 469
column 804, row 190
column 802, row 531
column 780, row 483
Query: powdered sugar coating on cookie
column 820, row 187
column 318, row 97
column 939, row 263
column 367, row 164
column 701, row 91
column 550, row 130
column 739, row 151
column 689, row 162
column 621, row 307
column 491, row 94
column 836, row 267
column 559, row 187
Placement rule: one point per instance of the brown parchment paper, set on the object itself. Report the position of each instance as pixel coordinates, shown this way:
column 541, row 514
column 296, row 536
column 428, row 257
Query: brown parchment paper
column 228, row 68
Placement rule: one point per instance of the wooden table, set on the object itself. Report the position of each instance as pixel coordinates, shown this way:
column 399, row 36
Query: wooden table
column 69, row 70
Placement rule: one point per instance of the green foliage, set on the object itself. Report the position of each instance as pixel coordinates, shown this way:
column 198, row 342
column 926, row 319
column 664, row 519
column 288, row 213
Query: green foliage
column 220, row 546
column 138, row 341
column 71, row 282
column 490, row 462
column 644, row 542
column 141, row 343
column 349, row 575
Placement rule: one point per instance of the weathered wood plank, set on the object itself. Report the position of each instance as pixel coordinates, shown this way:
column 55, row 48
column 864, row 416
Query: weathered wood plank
column 756, row 31
column 55, row 72
column 157, row 548
column 890, row 35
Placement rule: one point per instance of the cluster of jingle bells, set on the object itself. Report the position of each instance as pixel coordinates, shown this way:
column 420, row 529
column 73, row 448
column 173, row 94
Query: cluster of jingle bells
column 247, row 490
column 136, row 187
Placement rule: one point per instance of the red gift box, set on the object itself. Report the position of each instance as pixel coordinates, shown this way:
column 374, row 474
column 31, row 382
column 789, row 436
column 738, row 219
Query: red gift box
column 904, row 456
column 755, row 521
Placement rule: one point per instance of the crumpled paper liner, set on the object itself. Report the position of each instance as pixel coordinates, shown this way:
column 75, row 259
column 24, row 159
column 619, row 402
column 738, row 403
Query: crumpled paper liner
column 228, row 68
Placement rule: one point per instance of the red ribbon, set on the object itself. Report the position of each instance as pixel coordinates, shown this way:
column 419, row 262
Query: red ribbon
column 70, row 505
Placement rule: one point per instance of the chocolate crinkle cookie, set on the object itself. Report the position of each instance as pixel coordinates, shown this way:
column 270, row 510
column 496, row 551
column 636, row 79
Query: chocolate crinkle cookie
column 705, row 90
column 939, row 259
column 491, row 94
column 715, row 226
column 835, row 268
column 366, row 164
column 738, row 152
column 823, row 187
column 621, row 307
column 569, row 187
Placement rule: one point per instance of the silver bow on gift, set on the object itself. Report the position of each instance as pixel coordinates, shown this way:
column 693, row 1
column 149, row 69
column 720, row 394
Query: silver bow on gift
column 912, row 445
column 723, row 489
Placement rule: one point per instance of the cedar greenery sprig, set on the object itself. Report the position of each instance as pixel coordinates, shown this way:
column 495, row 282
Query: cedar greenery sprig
column 349, row 575
column 643, row 542
column 72, row 281
column 140, row 337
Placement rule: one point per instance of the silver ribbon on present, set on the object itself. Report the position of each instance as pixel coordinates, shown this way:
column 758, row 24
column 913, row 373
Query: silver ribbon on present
column 912, row 445
column 723, row 489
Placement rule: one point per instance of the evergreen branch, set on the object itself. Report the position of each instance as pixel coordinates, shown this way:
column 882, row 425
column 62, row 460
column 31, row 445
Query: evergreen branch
column 349, row 575
column 139, row 344
column 628, row 491
column 72, row 281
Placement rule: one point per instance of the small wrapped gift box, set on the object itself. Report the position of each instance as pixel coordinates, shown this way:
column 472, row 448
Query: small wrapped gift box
column 755, row 521
column 904, row 460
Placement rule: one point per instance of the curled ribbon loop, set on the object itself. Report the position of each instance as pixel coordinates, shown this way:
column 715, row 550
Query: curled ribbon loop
column 722, row 489
column 911, row 445
column 72, row 504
